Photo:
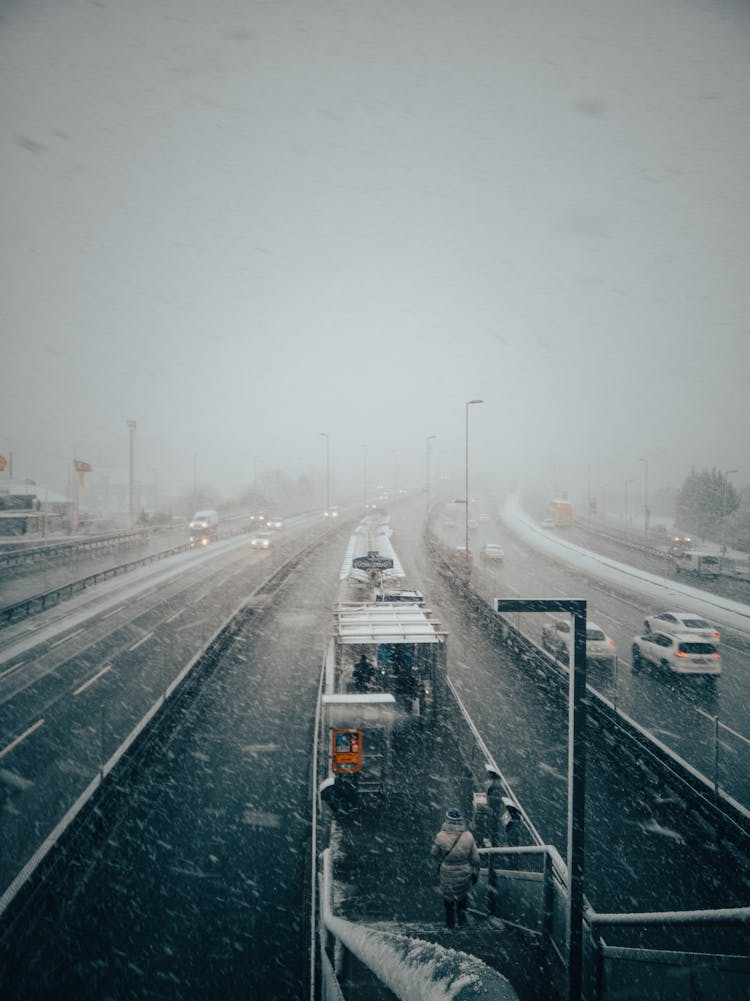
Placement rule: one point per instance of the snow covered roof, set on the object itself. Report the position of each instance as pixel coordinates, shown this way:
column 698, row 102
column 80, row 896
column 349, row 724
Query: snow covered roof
column 371, row 535
column 386, row 623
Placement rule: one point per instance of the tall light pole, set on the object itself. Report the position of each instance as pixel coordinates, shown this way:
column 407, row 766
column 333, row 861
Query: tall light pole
column 430, row 437
column 645, row 494
column 131, row 429
column 469, row 403
column 328, row 473
column 588, row 499
column 727, row 474
column 364, row 474
column 627, row 524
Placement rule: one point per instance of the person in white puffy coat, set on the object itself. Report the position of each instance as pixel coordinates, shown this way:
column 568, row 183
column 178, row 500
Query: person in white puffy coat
column 456, row 849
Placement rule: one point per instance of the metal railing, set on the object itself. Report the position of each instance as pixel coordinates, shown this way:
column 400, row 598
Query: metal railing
column 19, row 610
column 15, row 554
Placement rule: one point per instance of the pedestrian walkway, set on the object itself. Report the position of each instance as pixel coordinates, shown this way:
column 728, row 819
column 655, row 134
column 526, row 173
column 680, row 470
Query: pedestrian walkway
column 384, row 873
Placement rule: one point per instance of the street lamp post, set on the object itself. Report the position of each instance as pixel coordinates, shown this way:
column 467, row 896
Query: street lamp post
column 727, row 474
column 645, row 494
column 429, row 439
column 328, row 473
column 588, row 498
column 469, row 403
column 364, row 474
column 627, row 523
column 131, row 430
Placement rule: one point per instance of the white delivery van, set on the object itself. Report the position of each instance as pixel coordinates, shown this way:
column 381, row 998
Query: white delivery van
column 695, row 562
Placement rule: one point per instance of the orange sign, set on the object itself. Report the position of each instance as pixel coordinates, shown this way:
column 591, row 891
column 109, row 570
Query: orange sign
column 347, row 751
column 2, row 463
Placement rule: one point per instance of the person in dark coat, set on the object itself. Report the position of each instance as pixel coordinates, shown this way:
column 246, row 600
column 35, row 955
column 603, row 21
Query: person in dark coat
column 363, row 675
column 495, row 793
column 456, row 849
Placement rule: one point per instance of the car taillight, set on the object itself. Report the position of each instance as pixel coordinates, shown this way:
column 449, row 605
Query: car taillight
column 681, row 653
column 716, row 655
column 611, row 643
column 716, row 636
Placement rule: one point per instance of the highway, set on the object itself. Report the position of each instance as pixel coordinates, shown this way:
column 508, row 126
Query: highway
column 197, row 891
column 75, row 680
column 679, row 710
column 205, row 859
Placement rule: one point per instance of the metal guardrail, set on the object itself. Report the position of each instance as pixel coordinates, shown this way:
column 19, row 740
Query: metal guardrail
column 624, row 539
column 35, row 603
column 730, row 568
column 19, row 610
column 17, row 554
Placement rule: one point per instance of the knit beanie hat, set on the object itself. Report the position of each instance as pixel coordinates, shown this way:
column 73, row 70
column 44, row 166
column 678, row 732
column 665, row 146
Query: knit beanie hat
column 454, row 816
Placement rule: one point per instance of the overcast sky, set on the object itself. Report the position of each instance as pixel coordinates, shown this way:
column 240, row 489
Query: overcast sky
column 245, row 223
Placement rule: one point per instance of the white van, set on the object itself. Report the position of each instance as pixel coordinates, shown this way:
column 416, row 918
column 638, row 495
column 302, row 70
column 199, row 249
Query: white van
column 702, row 564
column 204, row 525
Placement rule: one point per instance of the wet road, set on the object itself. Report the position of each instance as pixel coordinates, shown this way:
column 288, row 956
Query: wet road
column 197, row 893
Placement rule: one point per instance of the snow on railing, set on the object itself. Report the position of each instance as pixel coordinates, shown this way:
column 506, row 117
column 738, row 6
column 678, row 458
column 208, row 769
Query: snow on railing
column 413, row 969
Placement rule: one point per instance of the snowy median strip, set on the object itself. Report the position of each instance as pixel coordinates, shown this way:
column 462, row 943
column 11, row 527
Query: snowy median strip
column 732, row 614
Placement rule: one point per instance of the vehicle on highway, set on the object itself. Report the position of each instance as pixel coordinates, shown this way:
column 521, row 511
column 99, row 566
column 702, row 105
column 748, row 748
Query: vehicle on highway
column 261, row 540
column 560, row 512
column 557, row 639
column 204, row 526
column 332, row 512
column 492, row 551
column 459, row 552
column 275, row 522
column 702, row 564
column 681, row 653
column 679, row 544
column 685, row 623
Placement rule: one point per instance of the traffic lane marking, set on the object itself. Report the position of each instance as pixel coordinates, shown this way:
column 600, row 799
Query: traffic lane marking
column 141, row 640
column 64, row 639
column 87, row 684
column 13, row 668
column 23, row 736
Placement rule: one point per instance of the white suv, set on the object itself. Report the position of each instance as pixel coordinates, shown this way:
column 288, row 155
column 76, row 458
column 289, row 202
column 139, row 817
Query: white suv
column 681, row 653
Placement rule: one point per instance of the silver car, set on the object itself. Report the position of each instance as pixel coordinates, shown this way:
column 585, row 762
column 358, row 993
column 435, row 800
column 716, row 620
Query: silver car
column 557, row 639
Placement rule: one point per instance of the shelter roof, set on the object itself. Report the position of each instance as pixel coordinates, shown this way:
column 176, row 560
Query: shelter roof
column 386, row 623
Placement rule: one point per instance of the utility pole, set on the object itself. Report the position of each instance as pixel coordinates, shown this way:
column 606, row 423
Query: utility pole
column 131, row 429
column 429, row 439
